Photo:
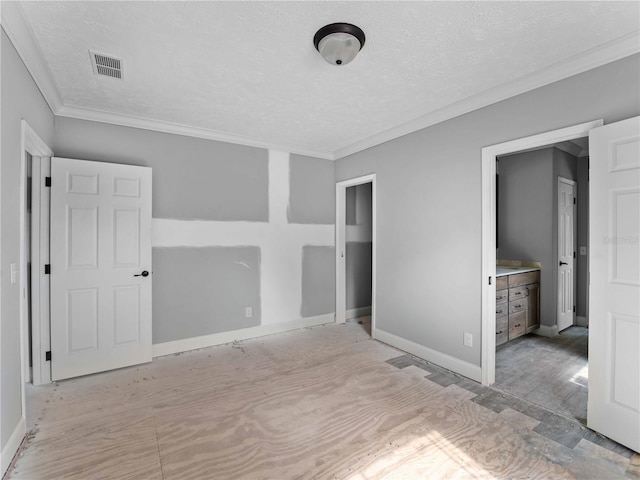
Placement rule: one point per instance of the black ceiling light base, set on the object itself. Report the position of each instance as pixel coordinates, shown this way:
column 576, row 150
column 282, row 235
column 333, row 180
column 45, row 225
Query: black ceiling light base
column 339, row 43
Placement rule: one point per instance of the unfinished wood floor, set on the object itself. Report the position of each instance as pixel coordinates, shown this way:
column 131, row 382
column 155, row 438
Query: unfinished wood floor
column 321, row 403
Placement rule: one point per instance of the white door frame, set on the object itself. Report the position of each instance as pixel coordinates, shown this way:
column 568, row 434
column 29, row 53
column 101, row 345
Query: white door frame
column 489, row 154
column 341, row 270
column 573, row 184
column 32, row 143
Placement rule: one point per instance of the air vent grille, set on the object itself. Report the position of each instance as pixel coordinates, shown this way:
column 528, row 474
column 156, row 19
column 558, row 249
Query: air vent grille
column 106, row 65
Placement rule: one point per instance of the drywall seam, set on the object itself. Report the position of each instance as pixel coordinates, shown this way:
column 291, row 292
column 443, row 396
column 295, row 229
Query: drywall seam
column 184, row 345
column 358, row 312
column 466, row 369
column 358, row 234
column 207, row 233
column 279, row 241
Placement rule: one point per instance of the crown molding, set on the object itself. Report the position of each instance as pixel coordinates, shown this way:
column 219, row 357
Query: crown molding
column 596, row 57
column 179, row 129
column 21, row 35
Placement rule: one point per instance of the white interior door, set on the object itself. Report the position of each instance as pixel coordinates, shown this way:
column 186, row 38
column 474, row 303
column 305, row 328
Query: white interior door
column 566, row 249
column 100, row 251
column 614, row 300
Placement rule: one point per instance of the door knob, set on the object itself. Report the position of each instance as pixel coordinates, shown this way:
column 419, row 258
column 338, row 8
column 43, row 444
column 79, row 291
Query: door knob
column 143, row 274
column 563, row 263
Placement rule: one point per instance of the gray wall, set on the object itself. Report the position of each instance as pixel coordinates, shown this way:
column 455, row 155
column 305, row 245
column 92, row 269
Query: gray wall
column 528, row 216
column 312, row 197
column 429, row 201
column 583, row 236
column 318, row 281
column 20, row 99
column 200, row 291
column 358, row 274
column 194, row 178
column 525, row 218
column 358, row 261
column 208, row 180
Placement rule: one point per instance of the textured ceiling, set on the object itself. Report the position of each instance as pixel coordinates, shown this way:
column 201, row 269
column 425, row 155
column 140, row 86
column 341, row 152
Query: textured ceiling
column 249, row 69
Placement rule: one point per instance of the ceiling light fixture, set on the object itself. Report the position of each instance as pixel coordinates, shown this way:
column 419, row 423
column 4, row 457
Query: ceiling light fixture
column 339, row 43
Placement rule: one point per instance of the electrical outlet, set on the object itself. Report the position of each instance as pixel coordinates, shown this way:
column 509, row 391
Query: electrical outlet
column 14, row 272
column 468, row 340
column 248, row 312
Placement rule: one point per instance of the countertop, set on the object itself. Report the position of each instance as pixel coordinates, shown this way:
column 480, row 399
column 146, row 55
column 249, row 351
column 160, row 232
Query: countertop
column 502, row 271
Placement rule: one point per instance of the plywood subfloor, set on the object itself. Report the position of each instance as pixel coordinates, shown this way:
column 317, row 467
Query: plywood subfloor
column 321, row 403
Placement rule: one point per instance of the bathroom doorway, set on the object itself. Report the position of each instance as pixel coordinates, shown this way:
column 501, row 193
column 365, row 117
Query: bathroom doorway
column 542, row 218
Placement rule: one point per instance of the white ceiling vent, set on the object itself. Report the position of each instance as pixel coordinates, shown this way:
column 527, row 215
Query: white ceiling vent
column 106, row 65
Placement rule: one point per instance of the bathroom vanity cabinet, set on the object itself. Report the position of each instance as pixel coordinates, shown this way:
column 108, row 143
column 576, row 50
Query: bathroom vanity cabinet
column 517, row 302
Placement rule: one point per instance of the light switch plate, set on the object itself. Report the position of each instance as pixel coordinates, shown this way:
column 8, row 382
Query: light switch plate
column 583, row 250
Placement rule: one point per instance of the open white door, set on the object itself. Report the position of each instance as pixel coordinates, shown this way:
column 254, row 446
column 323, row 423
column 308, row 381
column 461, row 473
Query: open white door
column 100, row 266
column 614, row 299
column 566, row 253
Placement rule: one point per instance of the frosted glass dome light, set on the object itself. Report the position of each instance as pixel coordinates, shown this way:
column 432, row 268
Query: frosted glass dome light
column 339, row 43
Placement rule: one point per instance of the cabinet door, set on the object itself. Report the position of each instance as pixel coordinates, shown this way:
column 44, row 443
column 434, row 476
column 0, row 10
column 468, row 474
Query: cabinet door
column 517, row 324
column 533, row 311
column 502, row 330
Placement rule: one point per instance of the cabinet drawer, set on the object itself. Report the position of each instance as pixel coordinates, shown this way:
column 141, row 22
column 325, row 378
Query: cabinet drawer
column 517, row 324
column 502, row 310
column 502, row 296
column 518, row 306
column 518, row 293
column 502, row 332
column 519, row 279
column 502, row 283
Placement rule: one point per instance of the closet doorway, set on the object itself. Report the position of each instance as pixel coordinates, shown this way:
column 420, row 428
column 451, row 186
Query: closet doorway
column 355, row 252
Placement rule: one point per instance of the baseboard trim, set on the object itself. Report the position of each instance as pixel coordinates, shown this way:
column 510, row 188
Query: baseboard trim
column 582, row 321
column 466, row 369
column 12, row 446
column 546, row 331
column 194, row 343
column 358, row 312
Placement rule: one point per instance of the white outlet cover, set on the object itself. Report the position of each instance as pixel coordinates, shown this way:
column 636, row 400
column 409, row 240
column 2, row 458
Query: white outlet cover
column 14, row 272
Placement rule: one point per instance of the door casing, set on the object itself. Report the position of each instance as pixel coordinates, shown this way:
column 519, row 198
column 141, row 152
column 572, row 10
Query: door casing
column 341, row 220
column 488, row 235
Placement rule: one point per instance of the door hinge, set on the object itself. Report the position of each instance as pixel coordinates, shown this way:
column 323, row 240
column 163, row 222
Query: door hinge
column 574, row 200
column 47, row 356
column 47, row 181
column 47, row 269
column 489, row 280
column 574, row 309
column 574, row 254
